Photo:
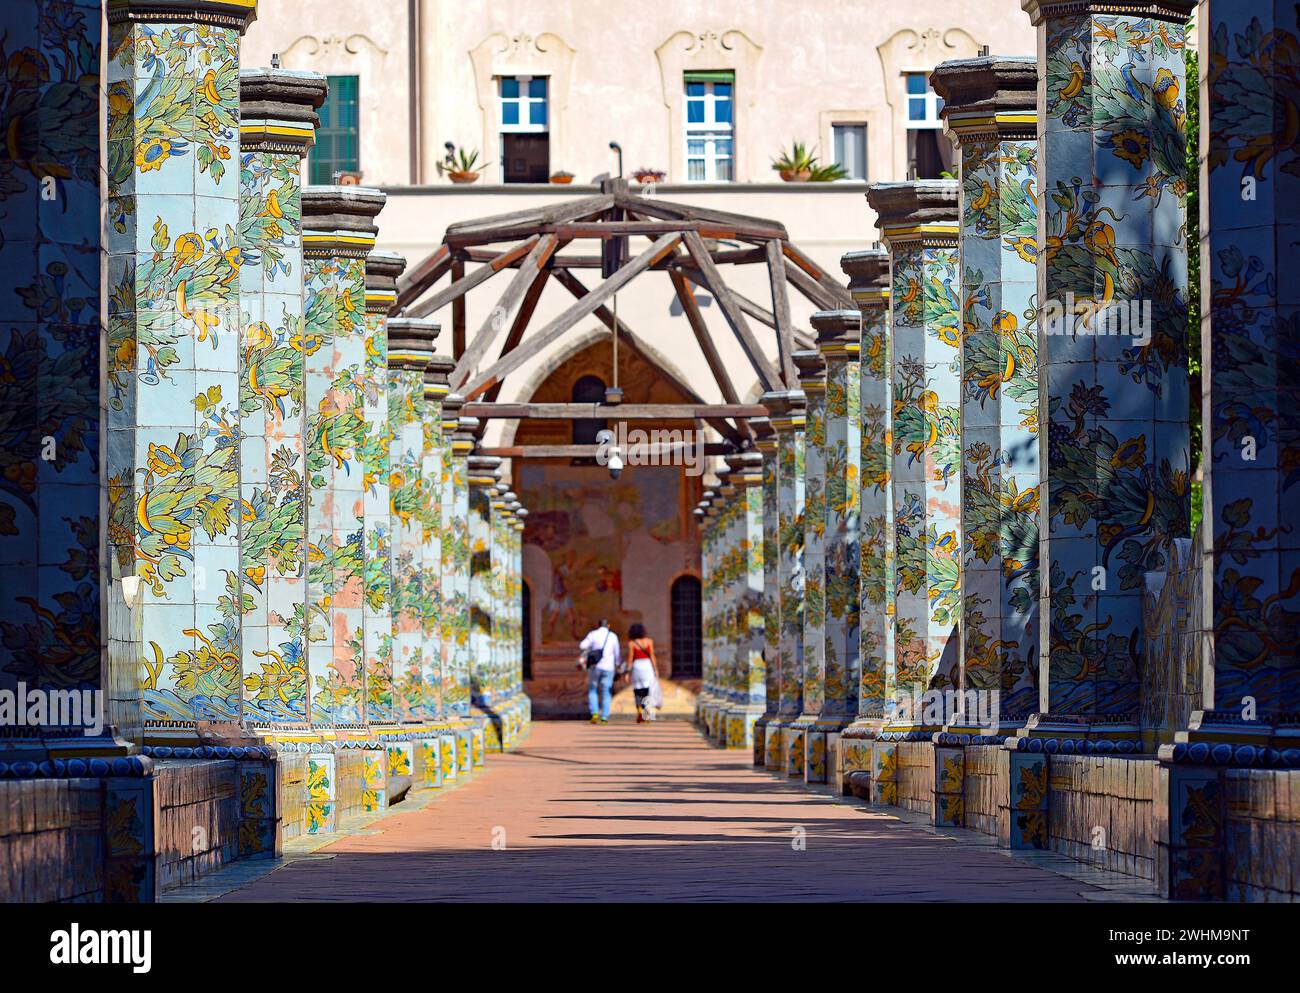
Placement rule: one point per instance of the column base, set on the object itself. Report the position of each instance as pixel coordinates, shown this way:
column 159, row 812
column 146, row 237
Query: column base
column 759, row 739
column 739, row 723
column 853, row 775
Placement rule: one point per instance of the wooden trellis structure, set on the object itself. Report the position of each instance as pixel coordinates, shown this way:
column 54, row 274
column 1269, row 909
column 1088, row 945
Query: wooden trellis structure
column 685, row 242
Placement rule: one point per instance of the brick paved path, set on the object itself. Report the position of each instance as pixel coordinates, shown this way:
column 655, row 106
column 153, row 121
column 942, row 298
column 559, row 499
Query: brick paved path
column 628, row 812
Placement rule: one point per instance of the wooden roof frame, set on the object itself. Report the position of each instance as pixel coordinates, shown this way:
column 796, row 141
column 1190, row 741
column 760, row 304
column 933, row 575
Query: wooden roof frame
column 533, row 242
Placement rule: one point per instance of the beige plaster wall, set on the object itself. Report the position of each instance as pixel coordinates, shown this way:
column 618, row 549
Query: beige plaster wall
column 616, row 71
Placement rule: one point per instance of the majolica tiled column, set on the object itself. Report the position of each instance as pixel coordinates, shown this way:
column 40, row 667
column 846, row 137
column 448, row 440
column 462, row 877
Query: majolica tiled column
column 382, row 270
column 493, row 693
column 338, row 232
column 710, row 599
column 462, row 446
column 277, row 127
column 868, row 273
column 786, row 412
column 435, row 519
column 173, row 354
column 1114, row 448
column 453, row 626
column 812, row 380
column 484, row 473
column 525, row 703
column 918, row 223
column 408, row 699
column 730, row 567
column 702, row 528
column 1218, row 836
column 838, row 334
column 749, row 681
column 771, row 610
column 989, row 110
column 1250, row 357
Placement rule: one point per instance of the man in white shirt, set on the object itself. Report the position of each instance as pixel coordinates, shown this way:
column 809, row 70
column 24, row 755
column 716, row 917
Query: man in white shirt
column 600, row 643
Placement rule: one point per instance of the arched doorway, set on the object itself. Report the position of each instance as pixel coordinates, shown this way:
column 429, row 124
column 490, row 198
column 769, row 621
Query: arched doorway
column 685, row 607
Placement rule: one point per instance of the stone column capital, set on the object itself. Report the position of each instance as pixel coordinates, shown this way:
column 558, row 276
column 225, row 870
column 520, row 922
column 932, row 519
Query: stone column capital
column 237, row 14
column 466, row 431
column 277, row 110
column 868, row 272
column 382, row 272
column 839, row 334
column 340, row 220
column 812, row 370
column 764, row 434
column 785, row 409
column 521, row 517
column 410, row 342
column 746, row 469
column 1165, row 10
column 484, row 470
column 988, row 97
column 919, row 213
column 436, row 382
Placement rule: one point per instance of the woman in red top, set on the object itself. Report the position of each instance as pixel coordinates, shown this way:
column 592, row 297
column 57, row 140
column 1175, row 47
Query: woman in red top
column 645, row 671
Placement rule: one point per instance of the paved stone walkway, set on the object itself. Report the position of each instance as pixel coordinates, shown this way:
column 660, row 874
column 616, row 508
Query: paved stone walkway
column 626, row 812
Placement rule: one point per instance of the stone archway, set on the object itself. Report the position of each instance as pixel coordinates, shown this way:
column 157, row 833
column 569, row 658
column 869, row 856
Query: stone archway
column 595, row 546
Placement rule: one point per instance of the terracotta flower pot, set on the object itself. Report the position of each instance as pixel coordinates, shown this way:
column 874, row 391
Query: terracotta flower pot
column 791, row 176
column 562, row 180
column 647, row 178
column 459, row 176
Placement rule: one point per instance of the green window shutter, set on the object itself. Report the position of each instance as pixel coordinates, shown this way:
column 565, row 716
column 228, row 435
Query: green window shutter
column 711, row 76
column 338, row 145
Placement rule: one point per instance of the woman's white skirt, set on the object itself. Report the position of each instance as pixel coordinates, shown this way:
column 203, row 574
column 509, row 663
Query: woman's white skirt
column 643, row 674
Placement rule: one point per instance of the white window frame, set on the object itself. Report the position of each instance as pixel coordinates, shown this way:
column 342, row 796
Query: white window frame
column 710, row 131
column 932, row 103
column 525, row 102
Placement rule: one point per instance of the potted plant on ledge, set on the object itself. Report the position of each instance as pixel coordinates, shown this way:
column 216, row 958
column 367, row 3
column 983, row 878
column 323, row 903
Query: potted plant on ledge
column 648, row 176
column 561, row 177
column 462, row 166
column 800, row 165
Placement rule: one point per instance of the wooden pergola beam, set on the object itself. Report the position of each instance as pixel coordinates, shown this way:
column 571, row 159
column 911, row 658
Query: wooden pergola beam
column 580, row 309
column 626, row 334
column 615, row 412
column 462, row 284
column 767, row 375
column 414, row 281
column 691, row 308
column 522, row 318
column 507, row 307
column 838, row 295
column 781, row 312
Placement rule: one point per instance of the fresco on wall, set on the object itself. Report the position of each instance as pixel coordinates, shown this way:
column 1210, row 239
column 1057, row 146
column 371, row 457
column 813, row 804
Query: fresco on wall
column 587, row 528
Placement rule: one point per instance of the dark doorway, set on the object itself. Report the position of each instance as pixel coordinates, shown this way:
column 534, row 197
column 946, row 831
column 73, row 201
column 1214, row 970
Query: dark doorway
column 527, row 608
column 526, row 158
column 686, row 628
